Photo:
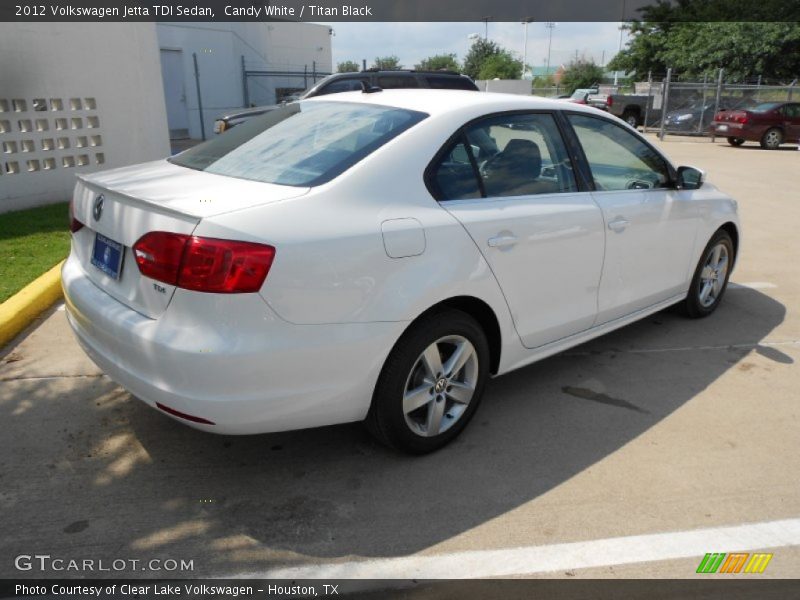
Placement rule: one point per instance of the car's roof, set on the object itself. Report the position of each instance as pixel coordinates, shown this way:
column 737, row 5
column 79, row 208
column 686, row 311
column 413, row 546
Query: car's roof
column 436, row 102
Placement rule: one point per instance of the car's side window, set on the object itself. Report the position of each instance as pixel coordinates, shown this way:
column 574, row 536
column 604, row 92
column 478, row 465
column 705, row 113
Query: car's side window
column 439, row 82
column 617, row 158
column 454, row 174
column 792, row 111
column 342, row 85
column 397, row 82
column 520, row 155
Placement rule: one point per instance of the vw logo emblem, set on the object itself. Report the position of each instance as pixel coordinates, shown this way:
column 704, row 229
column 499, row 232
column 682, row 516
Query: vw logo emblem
column 97, row 212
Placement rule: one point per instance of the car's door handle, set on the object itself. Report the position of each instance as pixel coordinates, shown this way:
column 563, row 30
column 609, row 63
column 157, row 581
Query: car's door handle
column 619, row 224
column 502, row 241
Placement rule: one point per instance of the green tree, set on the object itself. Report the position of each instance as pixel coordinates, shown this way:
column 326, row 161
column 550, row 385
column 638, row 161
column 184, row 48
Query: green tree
column 387, row 63
column 691, row 38
column 479, row 51
column 581, row 73
column 501, row 66
column 487, row 59
column 348, row 66
column 438, row 62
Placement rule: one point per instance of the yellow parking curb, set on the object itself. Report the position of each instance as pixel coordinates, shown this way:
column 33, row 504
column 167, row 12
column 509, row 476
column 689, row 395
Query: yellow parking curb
column 17, row 312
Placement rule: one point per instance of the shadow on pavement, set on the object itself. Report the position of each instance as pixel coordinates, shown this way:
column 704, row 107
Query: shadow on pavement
column 87, row 470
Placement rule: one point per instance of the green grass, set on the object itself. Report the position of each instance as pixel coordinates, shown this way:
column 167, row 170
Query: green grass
column 31, row 242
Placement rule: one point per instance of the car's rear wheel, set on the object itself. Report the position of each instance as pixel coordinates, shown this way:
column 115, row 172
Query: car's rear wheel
column 631, row 118
column 710, row 277
column 734, row 141
column 772, row 138
column 431, row 383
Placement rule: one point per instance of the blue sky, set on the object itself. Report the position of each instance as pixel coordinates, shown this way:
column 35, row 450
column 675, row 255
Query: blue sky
column 412, row 42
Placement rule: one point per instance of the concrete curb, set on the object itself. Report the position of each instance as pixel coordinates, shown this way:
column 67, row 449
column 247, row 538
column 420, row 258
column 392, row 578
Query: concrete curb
column 22, row 308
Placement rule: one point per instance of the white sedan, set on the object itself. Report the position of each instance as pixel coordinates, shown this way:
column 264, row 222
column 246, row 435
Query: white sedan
column 378, row 255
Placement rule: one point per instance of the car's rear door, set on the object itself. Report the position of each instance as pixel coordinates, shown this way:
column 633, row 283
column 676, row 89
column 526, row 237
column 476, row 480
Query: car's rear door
column 650, row 225
column 791, row 122
column 509, row 180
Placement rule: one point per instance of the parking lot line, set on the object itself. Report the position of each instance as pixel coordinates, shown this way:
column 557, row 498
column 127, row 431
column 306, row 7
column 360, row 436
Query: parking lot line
column 557, row 557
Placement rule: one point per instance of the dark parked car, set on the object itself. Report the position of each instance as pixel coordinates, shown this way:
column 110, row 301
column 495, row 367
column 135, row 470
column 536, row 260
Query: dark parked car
column 351, row 82
column 694, row 118
column 769, row 123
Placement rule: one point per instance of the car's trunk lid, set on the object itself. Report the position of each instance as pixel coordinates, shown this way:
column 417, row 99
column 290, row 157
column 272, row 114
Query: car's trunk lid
column 156, row 196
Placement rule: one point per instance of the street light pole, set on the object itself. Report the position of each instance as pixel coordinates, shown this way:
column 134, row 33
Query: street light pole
column 525, row 47
column 550, row 25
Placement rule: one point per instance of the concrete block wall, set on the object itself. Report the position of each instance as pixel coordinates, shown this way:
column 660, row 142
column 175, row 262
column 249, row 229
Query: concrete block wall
column 75, row 97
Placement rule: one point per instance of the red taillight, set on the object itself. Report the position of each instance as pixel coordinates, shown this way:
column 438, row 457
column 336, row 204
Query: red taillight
column 609, row 101
column 224, row 266
column 74, row 224
column 203, row 264
column 741, row 118
column 159, row 254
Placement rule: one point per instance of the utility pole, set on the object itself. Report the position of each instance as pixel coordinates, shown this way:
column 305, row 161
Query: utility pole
column 619, row 48
column 486, row 27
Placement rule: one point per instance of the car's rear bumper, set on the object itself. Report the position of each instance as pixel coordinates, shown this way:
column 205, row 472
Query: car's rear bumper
column 238, row 366
column 736, row 130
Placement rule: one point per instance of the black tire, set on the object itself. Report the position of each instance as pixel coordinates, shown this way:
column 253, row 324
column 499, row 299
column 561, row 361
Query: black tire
column 772, row 139
column 693, row 306
column 631, row 118
column 734, row 141
column 387, row 419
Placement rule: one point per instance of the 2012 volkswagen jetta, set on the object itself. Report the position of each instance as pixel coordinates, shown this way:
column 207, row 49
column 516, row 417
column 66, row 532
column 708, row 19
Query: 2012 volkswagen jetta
column 377, row 256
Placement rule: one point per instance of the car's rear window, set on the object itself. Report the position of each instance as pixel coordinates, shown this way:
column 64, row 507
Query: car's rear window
column 301, row 144
column 765, row 107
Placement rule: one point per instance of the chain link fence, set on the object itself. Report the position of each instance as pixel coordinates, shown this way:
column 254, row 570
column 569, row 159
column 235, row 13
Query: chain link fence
column 670, row 104
column 676, row 106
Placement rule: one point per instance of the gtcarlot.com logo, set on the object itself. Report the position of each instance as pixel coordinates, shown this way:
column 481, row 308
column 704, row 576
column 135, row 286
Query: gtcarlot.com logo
column 734, row 562
column 46, row 562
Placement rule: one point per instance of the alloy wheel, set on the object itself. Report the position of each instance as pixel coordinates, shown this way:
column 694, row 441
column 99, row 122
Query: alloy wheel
column 712, row 277
column 440, row 386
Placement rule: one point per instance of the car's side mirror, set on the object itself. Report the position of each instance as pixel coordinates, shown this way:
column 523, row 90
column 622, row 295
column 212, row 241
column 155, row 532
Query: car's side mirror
column 690, row 178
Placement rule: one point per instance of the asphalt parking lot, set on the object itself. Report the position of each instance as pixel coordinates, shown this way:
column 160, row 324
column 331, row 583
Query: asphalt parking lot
column 632, row 455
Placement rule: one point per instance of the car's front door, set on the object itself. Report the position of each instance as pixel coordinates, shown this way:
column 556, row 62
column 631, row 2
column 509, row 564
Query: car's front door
column 650, row 225
column 509, row 180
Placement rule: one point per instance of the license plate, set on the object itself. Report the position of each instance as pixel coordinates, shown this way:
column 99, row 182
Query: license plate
column 722, row 128
column 107, row 256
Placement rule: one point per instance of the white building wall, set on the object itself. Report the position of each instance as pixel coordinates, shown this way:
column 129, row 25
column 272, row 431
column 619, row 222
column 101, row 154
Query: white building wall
column 219, row 48
column 104, row 105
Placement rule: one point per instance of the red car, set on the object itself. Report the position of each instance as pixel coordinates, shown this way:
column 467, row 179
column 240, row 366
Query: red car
column 770, row 123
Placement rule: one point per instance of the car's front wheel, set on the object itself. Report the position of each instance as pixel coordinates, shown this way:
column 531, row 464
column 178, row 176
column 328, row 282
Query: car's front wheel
column 431, row 383
column 711, row 276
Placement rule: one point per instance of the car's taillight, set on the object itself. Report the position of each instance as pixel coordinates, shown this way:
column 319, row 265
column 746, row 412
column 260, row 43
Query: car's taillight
column 741, row 118
column 609, row 101
column 203, row 264
column 74, row 224
column 158, row 255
